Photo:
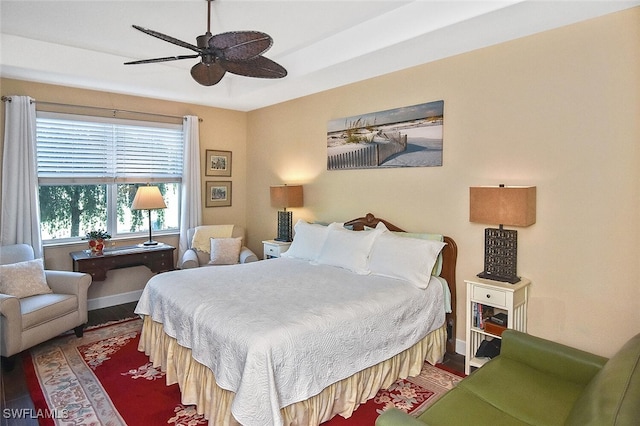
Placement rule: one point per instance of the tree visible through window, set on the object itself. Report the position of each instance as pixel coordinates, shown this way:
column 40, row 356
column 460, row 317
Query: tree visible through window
column 90, row 168
column 65, row 209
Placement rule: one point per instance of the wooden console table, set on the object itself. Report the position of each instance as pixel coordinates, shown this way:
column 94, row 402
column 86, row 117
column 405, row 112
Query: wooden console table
column 157, row 258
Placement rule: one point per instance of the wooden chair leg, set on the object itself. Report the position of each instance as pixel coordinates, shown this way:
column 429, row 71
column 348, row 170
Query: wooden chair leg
column 79, row 330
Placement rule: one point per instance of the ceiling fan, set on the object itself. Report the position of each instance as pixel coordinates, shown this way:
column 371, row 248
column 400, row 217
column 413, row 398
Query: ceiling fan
column 239, row 52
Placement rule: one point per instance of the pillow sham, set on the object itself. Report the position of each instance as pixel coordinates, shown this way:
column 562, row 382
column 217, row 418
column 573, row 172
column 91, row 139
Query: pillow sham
column 437, row 268
column 404, row 258
column 225, row 251
column 307, row 241
column 24, row 279
column 348, row 249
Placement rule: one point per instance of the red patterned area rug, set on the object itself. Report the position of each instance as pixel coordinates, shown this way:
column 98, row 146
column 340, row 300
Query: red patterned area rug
column 102, row 379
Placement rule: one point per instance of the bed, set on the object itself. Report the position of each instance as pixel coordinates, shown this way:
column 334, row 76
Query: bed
column 302, row 338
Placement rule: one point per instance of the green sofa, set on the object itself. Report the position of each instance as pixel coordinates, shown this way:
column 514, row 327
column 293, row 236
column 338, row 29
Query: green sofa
column 538, row 382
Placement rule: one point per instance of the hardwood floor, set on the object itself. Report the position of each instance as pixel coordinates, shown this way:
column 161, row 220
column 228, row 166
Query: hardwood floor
column 454, row 362
column 15, row 396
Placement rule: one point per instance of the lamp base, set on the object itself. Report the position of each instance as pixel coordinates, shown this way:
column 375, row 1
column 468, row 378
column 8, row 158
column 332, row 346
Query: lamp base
column 492, row 277
column 150, row 241
column 284, row 226
column 500, row 255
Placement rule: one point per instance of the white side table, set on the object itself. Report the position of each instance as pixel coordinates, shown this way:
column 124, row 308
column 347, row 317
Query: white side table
column 510, row 299
column 273, row 248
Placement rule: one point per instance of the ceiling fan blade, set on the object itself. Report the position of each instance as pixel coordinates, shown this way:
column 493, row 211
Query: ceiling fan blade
column 168, row 58
column 259, row 67
column 240, row 45
column 207, row 74
column 167, row 38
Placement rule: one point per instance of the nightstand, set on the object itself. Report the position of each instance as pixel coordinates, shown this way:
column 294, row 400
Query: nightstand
column 486, row 296
column 273, row 248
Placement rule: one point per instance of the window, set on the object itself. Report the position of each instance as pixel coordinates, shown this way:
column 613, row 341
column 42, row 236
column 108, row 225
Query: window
column 89, row 169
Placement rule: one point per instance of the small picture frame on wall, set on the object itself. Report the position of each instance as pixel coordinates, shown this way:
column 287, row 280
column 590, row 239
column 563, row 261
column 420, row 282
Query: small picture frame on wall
column 218, row 194
column 217, row 163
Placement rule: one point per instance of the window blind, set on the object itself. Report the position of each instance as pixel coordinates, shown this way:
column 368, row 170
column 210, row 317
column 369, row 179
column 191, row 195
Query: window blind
column 78, row 149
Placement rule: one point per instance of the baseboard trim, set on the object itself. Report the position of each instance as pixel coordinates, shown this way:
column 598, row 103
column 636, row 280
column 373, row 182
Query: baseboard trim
column 116, row 299
column 461, row 347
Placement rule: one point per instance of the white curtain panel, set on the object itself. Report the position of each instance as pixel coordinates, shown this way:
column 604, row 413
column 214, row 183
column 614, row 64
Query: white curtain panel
column 20, row 220
column 191, row 208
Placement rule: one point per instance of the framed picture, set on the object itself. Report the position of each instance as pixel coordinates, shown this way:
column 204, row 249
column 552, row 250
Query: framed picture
column 218, row 194
column 403, row 137
column 217, row 163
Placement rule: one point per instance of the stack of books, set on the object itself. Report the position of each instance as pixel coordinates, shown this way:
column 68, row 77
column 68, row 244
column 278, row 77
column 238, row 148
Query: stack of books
column 485, row 319
column 496, row 324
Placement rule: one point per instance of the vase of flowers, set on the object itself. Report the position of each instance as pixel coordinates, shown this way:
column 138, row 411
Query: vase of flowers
column 96, row 241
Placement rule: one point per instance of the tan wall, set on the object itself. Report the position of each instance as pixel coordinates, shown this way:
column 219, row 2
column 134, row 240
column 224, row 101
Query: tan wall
column 558, row 110
column 220, row 129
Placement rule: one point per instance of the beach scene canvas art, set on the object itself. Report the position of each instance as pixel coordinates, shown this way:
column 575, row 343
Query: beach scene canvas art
column 403, row 137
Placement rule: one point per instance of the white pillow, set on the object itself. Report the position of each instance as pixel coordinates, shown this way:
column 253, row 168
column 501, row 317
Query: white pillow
column 24, row 279
column 348, row 249
column 307, row 241
column 437, row 268
column 225, row 251
column 404, row 258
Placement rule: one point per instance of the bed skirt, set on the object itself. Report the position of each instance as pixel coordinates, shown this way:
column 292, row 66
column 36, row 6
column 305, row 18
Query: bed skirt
column 198, row 386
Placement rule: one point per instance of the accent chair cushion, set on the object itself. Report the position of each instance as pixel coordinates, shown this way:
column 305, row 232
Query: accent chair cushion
column 24, row 279
column 225, row 251
column 43, row 308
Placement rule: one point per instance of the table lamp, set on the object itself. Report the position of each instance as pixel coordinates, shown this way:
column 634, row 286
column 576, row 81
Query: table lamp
column 283, row 196
column 501, row 205
column 148, row 198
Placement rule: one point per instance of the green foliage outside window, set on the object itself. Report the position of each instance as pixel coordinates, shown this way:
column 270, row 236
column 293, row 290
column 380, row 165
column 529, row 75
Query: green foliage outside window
column 69, row 211
column 72, row 209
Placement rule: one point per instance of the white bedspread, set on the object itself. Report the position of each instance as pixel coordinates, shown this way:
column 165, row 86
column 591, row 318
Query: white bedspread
column 279, row 331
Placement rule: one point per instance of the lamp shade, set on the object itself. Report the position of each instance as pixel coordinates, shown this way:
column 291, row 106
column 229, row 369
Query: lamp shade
column 501, row 205
column 148, row 198
column 286, row 196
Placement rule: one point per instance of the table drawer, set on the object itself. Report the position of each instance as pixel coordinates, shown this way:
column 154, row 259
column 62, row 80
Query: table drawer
column 271, row 251
column 161, row 265
column 489, row 296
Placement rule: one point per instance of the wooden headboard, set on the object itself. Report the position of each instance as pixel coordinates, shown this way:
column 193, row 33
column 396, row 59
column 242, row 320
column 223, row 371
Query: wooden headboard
column 449, row 259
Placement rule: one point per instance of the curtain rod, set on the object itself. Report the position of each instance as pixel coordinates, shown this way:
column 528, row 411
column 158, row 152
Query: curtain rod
column 114, row 110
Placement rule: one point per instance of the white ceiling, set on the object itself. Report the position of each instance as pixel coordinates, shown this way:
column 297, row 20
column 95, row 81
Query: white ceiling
column 323, row 44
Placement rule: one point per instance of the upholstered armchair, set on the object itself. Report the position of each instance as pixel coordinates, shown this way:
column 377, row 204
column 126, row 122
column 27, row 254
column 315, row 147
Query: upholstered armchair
column 223, row 251
column 37, row 304
column 539, row 382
